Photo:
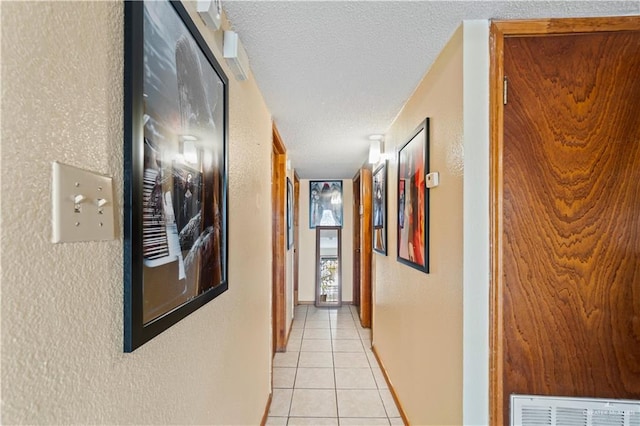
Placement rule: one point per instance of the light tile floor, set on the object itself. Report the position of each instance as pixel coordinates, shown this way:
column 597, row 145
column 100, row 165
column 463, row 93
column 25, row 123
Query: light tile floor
column 329, row 375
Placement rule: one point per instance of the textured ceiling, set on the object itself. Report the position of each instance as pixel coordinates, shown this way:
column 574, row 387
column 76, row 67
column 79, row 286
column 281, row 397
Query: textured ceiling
column 334, row 72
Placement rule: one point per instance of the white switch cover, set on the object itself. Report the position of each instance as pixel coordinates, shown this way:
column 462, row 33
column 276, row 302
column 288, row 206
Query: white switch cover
column 83, row 205
column 433, row 179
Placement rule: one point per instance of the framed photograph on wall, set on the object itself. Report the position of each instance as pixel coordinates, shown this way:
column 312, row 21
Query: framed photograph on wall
column 413, row 200
column 325, row 203
column 289, row 214
column 175, row 186
column 380, row 209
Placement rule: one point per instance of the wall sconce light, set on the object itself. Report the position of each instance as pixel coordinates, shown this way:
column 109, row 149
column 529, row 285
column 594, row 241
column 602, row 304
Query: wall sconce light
column 189, row 151
column 211, row 13
column 235, row 55
column 375, row 149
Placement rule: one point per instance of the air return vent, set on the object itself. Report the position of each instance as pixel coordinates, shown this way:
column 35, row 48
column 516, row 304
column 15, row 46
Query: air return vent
column 529, row 410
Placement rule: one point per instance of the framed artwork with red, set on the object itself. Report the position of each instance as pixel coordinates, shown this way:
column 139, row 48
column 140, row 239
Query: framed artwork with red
column 413, row 200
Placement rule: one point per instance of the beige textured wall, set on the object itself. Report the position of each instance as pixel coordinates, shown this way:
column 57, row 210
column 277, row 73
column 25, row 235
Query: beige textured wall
column 307, row 274
column 62, row 359
column 417, row 316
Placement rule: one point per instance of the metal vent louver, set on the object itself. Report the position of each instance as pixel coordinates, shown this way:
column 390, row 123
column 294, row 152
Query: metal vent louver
column 530, row 410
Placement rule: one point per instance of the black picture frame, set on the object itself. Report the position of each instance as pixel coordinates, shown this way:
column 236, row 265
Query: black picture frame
column 379, row 206
column 175, row 172
column 289, row 214
column 413, row 200
column 325, row 203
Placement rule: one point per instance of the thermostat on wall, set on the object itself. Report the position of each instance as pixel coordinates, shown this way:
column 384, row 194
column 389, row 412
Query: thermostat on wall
column 433, row 179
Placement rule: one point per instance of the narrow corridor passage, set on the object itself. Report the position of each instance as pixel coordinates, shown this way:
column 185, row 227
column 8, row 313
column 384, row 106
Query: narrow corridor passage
column 329, row 375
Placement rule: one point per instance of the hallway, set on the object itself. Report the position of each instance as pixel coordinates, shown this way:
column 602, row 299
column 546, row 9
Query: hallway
column 329, row 375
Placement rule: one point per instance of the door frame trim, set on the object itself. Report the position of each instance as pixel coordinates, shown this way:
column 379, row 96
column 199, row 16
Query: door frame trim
column 498, row 31
column 296, row 236
column 278, row 241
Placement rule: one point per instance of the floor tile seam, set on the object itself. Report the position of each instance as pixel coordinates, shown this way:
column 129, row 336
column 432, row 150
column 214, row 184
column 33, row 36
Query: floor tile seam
column 363, row 417
column 383, row 404
column 290, row 404
column 295, row 377
column 358, row 389
column 311, row 417
column 335, row 381
column 324, row 389
column 353, row 368
column 368, row 360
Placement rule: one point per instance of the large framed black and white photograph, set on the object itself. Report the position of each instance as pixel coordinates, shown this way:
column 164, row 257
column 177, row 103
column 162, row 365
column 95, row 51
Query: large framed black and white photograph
column 380, row 209
column 325, row 203
column 175, row 207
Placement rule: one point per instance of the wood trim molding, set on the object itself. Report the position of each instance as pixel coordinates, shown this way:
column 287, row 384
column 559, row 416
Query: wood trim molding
column 405, row 420
column 498, row 31
column 528, row 27
column 277, row 141
column 496, row 114
column 265, row 415
column 290, row 330
column 296, row 236
column 279, row 232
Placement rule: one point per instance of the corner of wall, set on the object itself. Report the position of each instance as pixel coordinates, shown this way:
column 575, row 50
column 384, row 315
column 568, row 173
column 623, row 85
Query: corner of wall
column 418, row 317
column 476, row 222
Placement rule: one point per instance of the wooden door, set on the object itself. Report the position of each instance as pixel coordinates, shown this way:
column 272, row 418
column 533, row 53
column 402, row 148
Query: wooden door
column 356, row 240
column 566, row 183
column 366, row 238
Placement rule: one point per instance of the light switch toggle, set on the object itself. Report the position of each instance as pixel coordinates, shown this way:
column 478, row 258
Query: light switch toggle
column 79, row 198
column 102, row 202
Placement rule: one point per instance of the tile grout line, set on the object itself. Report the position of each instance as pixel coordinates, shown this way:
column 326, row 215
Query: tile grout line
column 386, row 411
column 333, row 321
column 293, row 386
column 333, row 362
column 295, row 375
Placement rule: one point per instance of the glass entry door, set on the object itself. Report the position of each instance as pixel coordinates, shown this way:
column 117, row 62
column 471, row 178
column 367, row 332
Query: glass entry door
column 328, row 266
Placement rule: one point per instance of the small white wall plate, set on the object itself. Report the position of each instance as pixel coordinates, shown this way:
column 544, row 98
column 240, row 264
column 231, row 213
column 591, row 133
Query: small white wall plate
column 432, row 179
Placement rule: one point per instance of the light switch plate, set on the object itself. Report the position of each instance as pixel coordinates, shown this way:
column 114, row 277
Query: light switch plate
column 83, row 205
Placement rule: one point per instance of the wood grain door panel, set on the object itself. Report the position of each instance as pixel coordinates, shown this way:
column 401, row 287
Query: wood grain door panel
column 366, row 247
column 571, row 216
